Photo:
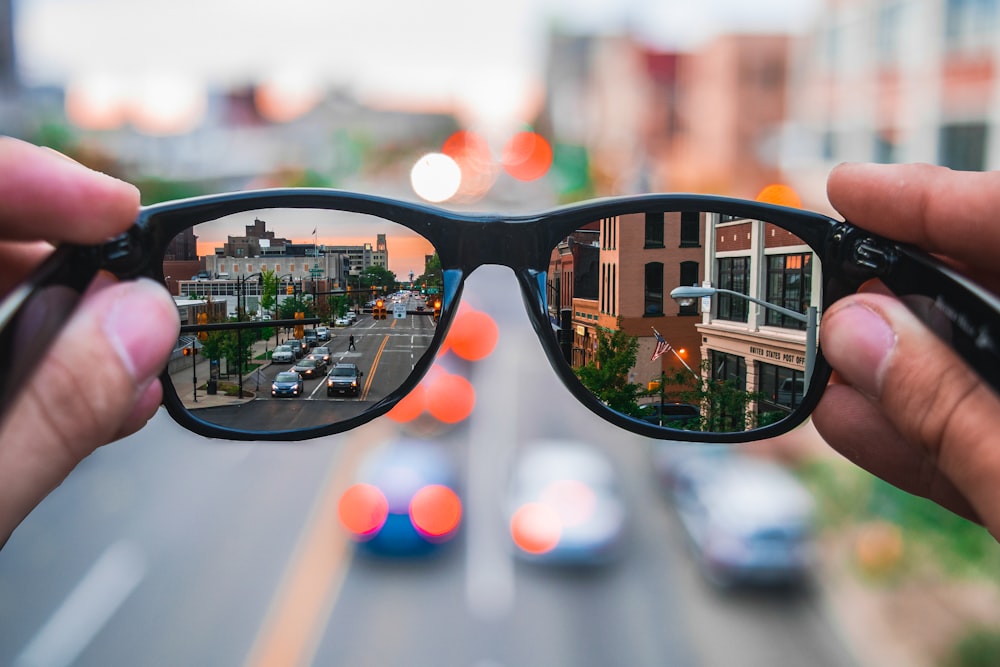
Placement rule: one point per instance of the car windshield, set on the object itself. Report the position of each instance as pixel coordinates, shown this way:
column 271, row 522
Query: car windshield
column 343, row 371
column 287, row 377
column 307, row 362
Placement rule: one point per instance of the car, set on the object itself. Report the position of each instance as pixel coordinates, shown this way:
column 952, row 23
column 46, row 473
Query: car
column 344, row 378
column 287, row 383
column 673, row 415
column 309, row 368
column 321, row 353
column 343, row 321
column 322, row 333
column 748, row 519
column 352, row 316
column 299, row 347
column 311, row 338
column 564, row 505
column 404, row 501
column 283, row 354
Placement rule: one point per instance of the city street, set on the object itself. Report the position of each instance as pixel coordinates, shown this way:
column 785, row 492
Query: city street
column 168, row 549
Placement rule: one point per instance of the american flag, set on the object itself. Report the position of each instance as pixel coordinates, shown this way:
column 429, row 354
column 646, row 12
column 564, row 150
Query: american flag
column 662, row 346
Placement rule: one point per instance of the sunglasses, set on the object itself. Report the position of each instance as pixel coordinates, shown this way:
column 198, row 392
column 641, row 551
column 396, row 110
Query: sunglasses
column 681, row 317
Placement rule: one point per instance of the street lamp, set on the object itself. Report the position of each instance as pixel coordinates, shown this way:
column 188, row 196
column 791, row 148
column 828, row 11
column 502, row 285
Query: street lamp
column 687, row 295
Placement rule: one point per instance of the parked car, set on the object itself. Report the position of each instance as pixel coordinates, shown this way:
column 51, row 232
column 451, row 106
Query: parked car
column 320, row 353
column 344, row 379
column 564, row 505
column 283, row 354
column 287, row 383
column 309, row 368
column 749, row 520
column 404, row 502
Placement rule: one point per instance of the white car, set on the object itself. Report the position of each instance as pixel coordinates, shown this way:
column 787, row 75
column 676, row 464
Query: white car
column 283, row 354
column 343, row 322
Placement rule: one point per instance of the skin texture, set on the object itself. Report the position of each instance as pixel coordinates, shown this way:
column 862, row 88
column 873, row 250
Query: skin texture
column 113, row 347
column 901, row 404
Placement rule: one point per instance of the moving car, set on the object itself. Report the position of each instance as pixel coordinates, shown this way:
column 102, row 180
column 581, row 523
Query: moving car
column 343, row 321
column 748, row 519
column 287, row 383
column 320, row 353
column 404, row 501
column 565, row 505
column 309, row 368
column 283, row 354
column 322, row 333
column 344, row 378
column 311, row 338
column 299, row 347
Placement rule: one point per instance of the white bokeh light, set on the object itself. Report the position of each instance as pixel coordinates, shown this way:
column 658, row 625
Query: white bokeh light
column 435, row 177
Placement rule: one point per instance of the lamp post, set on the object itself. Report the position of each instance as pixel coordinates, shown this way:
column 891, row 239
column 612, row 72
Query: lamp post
column 241, row 282
column 686, row 295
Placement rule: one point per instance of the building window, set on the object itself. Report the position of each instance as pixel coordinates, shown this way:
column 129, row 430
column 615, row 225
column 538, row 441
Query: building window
column 789, row 284
column 654, row 230
column 689, row 276
column 654, row 289
column 963, row 146
column 690, row 229
column 734, row 275
column 969, row 25
column 780, row 389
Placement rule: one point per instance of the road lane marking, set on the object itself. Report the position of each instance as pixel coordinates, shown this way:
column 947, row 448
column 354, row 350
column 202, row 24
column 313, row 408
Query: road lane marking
column 312, row 580
column 371, row 371
column 85, row 611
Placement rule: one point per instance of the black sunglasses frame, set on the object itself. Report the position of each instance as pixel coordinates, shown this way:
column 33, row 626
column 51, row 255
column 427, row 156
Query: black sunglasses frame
column 849, row 256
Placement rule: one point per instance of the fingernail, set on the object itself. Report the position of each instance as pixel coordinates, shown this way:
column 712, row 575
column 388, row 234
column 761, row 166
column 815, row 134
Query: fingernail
column 140, row 328
column 857, row 341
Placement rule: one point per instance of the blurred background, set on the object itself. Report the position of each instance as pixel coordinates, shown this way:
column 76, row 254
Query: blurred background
column 167, row 549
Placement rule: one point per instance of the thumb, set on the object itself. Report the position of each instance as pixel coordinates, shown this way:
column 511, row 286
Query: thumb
column 98, row 382
column 929, row 395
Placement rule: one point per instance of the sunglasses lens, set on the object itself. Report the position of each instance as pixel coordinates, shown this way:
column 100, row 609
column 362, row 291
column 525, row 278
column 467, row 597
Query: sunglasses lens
column 689, row 320
column 297, row 318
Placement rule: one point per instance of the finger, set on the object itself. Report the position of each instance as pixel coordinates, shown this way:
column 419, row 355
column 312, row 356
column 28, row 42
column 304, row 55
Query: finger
column 927, row 394
column 854, row 426
column 18, row 259
column 942, row 211
column 47, row 196
column 97, row 382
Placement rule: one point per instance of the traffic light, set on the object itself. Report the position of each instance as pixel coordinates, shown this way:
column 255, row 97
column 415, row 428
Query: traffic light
column 290, row 289
column 437, row 309
column 300, row 330
column 203, row 319
column 378, row 312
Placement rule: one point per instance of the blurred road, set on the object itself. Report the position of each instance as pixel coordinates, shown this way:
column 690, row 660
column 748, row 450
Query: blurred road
column 167, row 549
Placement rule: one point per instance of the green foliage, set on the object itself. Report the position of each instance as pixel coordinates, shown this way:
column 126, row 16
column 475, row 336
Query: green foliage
column 607, row 375
column 725, row 406
column 978, row 648
column 268, row 290
column 295, row 304
column 433, row 275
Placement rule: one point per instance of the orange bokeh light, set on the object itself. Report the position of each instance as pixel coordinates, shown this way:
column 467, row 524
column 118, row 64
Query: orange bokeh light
column 363, row 509
column 435, row 510
column 410, row 406
column 450, row 398
column 527, row 156
column 536, row 528
column 780, row 194
column 473, row 335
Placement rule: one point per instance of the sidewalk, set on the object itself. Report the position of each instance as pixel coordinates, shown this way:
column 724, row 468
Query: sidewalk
column 184, row 383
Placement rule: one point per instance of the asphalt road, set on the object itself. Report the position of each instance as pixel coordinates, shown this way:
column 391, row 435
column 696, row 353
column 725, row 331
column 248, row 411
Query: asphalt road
column 168, row 549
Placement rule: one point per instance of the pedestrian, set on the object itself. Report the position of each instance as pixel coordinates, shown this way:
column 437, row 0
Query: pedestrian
column 350, row 342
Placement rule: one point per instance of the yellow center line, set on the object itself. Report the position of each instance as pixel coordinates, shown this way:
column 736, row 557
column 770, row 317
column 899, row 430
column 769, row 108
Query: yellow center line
column 371, row 371
column 305, row 597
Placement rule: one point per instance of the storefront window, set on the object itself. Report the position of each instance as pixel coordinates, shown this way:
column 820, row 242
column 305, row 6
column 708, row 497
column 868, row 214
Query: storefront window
column 789, row 284
column 780, row 388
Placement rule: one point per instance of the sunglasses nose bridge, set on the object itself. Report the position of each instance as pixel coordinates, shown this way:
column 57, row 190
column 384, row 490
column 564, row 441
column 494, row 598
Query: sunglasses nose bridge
column 515, row 244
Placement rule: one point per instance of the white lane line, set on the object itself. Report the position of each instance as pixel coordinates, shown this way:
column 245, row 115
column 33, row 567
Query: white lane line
column 103, row 589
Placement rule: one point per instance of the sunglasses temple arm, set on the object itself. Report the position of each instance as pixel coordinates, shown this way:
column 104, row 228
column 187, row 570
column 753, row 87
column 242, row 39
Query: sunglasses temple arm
column 963, row 314
column 33, row 314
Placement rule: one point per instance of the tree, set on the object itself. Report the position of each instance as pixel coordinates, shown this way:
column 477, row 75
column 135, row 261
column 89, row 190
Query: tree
column 433, row 275
column 377, row 275
column 607, row 375
column 725, row 406
column 268, row 290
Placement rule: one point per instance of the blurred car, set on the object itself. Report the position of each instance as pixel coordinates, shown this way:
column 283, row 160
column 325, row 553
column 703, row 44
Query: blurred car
column 310, row 337
column 343, row 321
column 404, row 501
column 283, row 354
column 299, row 347
column 320, row 353
column 309, row 368
column 322, row 333
column 749, row 520
column 344, row 378
column 565, row 505
column 287, row 383
column 673, row 415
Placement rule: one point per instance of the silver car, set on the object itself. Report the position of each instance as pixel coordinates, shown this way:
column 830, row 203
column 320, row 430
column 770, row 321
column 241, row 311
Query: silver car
column 283, row 354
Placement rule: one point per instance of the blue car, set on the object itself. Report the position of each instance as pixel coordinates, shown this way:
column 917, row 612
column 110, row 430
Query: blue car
column 404, row 503
column 287, row 383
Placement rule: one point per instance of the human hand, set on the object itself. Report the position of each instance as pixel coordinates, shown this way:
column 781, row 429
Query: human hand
column 99, row 382
column 902, row 405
